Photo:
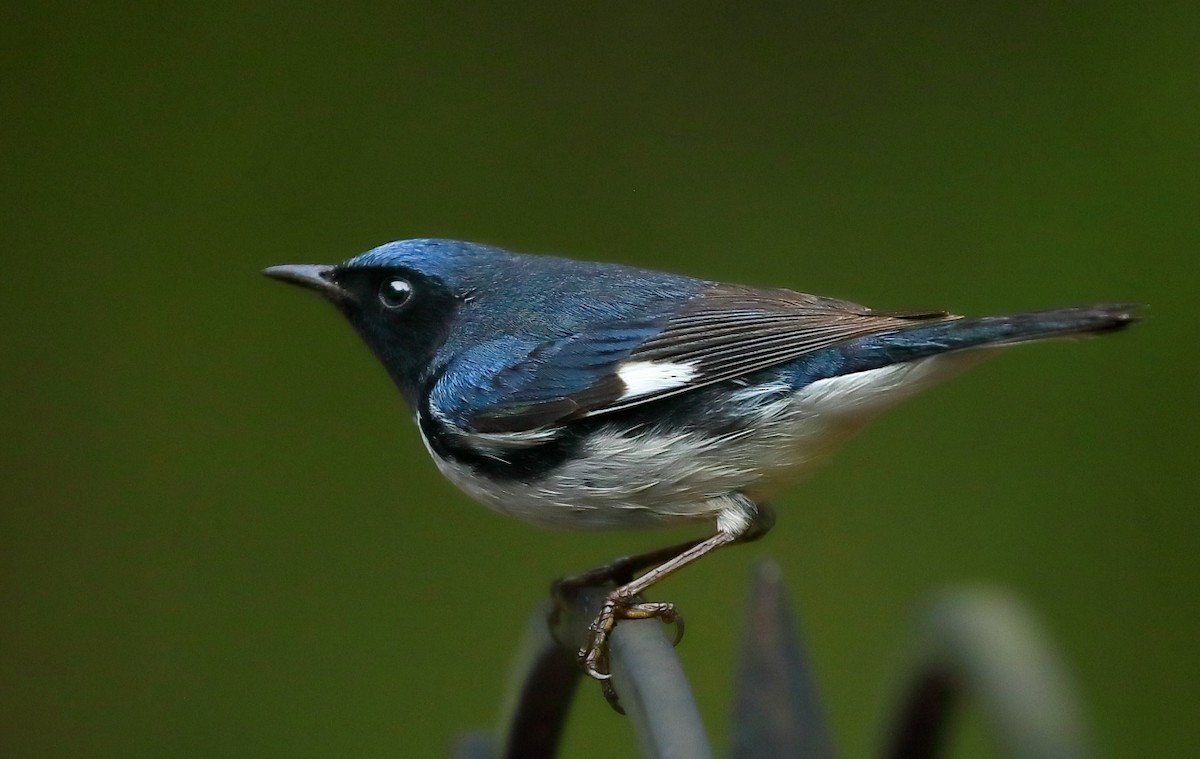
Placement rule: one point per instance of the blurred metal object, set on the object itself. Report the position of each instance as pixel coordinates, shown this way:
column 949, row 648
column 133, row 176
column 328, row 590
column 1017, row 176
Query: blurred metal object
column 984, row 645
column 979, row 645
column 776, row 706
column 646, row 673
column 538, row 697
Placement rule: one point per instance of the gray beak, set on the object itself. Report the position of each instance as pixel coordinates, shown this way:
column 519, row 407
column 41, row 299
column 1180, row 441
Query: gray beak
column 318, row 277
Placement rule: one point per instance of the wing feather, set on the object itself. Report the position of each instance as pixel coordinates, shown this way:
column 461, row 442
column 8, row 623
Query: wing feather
column 722, row 333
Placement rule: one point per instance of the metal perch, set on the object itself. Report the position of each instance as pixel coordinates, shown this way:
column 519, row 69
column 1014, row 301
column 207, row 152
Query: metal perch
column 976, row 644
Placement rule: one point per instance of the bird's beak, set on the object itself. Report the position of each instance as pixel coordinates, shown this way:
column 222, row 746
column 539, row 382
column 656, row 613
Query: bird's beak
column 317, row 277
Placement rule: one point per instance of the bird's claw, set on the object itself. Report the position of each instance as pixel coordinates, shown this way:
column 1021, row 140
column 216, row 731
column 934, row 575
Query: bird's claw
column 594, row 654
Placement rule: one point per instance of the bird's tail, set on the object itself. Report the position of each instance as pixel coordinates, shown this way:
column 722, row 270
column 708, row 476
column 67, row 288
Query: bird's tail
column 1034, row 325
column 930, row 351
column 930, row 338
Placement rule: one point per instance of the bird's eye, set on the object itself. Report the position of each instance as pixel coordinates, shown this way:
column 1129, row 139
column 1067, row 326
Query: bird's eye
column 395, row 293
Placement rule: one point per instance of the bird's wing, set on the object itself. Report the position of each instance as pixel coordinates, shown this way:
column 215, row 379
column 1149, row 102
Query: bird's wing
column 722, row 333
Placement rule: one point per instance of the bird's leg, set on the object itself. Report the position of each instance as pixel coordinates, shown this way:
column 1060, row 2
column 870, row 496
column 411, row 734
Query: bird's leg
column 620, row 604
column 740, row 521
column 619, row 571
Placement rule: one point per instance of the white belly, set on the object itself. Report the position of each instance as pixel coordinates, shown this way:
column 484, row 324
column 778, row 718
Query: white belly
column 621, row 480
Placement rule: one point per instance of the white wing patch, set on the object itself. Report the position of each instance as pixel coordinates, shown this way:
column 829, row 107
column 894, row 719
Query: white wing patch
column 648, row 377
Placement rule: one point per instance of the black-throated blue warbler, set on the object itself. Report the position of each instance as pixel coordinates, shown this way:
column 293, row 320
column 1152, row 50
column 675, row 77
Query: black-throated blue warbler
column 591, row 396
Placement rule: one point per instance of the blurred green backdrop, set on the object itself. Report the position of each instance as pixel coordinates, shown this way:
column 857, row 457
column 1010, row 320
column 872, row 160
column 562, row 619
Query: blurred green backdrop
column 220, row 534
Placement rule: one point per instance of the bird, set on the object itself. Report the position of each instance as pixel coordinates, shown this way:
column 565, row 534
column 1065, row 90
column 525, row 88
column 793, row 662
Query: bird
column 590, row 396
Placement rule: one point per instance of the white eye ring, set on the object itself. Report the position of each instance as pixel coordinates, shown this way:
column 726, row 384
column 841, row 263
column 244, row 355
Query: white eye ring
column 395, row 293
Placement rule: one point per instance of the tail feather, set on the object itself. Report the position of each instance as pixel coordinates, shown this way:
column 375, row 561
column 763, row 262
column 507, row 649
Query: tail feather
column 928, row 339
column 1041, row 325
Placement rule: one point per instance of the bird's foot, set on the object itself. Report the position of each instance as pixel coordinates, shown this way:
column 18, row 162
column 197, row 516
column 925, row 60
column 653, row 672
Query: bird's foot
column 617, row 606
column 624, row 602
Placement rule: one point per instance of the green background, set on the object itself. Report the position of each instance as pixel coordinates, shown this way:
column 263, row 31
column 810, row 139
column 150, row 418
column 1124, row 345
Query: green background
column 220, row 534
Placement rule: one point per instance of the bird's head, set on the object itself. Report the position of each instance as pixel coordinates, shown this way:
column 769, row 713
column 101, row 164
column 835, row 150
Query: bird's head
column 420, row 304
column 401, row 297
